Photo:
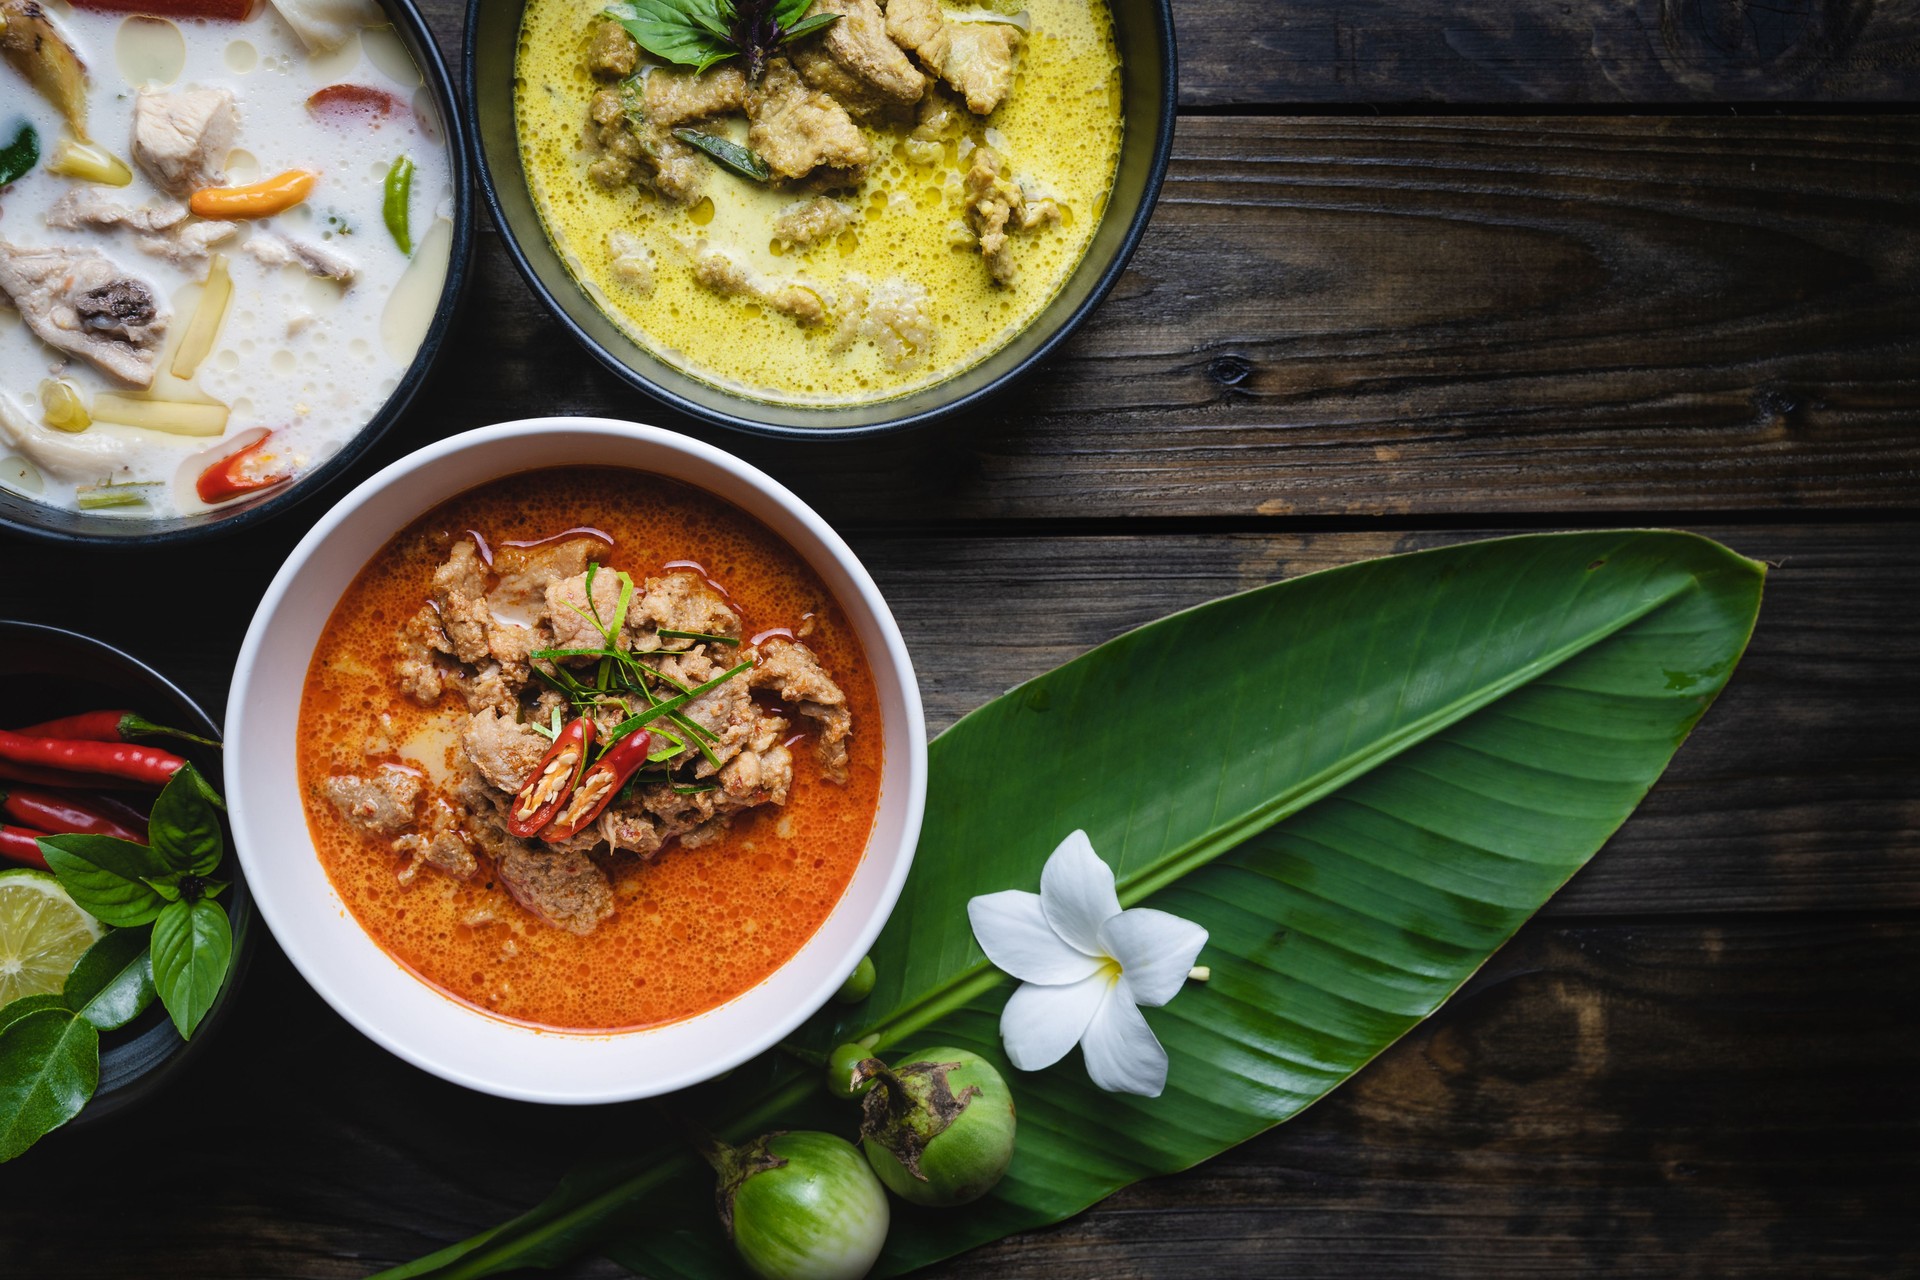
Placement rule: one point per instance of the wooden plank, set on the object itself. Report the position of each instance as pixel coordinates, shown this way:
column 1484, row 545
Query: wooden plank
column 1596, row 1102
column 1799, row 791
column 1408, row 317
column 1617, row 1099
column 1340, row 52
column 1355, row 52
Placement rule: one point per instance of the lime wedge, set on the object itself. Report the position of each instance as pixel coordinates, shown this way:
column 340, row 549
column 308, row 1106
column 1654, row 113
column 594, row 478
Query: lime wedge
column 42, row 933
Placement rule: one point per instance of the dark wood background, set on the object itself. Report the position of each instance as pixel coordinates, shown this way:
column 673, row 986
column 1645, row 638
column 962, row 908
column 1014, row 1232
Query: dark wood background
column 1423, row 271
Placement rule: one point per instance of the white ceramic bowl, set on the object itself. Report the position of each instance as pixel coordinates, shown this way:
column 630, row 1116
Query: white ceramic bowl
column 366, row 985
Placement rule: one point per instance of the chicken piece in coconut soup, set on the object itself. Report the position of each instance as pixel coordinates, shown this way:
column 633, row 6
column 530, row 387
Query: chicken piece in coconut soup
column 590, row 749
column 224, row 231
column 855, row 200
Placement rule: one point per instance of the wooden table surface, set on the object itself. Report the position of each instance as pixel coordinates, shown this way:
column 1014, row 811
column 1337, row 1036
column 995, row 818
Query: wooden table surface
column 1424, row 270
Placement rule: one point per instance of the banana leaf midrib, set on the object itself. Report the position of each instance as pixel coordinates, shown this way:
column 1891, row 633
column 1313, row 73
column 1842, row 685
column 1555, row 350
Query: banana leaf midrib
column 980, row 977
column 624, row 1195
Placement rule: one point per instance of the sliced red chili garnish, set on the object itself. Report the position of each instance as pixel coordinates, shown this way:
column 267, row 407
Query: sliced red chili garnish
column 553, row 780
column 353, row 102
column 242, row 471
column 600, row 784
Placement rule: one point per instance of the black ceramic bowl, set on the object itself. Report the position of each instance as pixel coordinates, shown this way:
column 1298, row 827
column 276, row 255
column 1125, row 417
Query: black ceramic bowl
column 58, row 525
column 1142, row 28
column 49, row 673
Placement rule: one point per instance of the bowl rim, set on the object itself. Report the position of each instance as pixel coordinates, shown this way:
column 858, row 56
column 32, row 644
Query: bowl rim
column 253, row 661
column 1163, row 33
column 133, row 1069
column 453, row 121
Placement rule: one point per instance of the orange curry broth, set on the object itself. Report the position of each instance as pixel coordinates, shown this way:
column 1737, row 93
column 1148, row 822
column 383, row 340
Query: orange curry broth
column 693, row 928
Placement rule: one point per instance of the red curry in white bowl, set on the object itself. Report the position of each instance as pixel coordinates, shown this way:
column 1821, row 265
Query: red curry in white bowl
column 658, row 880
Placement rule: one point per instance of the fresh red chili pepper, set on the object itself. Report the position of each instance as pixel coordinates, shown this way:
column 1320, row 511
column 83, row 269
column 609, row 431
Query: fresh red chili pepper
column 10, row 772
column 115, row 759
column 242, row 471
column 22, row 845
column 600, row 784
column 553, row 780
column 108, row 726
column 64, row 814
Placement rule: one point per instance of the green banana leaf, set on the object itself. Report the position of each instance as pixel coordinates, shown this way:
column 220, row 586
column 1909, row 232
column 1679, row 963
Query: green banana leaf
column 1361, row 782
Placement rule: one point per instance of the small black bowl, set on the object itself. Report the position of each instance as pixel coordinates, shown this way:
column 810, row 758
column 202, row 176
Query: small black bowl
column 64, row 674
column 56, row 524
column 1143, row 29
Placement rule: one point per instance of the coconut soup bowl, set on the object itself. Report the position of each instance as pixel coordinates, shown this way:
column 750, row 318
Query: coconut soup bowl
column 372, row 990
column 22, row 515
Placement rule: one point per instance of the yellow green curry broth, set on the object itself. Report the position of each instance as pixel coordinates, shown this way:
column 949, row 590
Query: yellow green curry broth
column 1059, row 131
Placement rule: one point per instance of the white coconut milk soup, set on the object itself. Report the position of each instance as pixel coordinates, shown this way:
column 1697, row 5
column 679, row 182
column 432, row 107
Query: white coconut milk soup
column 226, row 255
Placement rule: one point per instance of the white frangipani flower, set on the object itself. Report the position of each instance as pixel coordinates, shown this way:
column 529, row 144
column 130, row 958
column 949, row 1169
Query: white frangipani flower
column 1085, row 968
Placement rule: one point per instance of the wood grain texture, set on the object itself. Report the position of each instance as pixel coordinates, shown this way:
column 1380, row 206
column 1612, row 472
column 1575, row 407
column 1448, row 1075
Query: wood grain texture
column 1801, row 791
column 1629, row 1099
column 1694, row 1063
column 1339, row 317
column 1355, row 53
column 1342, row 52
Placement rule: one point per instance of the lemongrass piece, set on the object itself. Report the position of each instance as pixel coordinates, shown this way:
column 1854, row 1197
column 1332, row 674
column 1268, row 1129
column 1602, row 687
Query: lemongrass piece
column 204, row 327
column 180, row 417
column 62, row 407
column 89, row 163
column 93, row 497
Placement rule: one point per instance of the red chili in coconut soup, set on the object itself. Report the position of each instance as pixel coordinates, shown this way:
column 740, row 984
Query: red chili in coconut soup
column 493, row 670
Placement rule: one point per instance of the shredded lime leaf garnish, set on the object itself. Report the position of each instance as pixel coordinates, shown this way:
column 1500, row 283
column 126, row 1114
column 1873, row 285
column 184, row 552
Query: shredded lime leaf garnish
column 666, row 634
column 654, row 712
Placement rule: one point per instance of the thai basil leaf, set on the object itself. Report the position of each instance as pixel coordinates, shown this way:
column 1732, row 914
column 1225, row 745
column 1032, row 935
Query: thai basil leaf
column 112, row 984
column 192, row 945
column 818, row 22
column 727, row 154
column 185, row 827
column 787, row 12
column 680, row 31
column 107, row 877
column 49, row 1065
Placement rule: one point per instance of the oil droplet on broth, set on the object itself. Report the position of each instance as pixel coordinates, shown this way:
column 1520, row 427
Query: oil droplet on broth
column 385, row 50
column 150, row 52
column 242, row 57
column 337, row 64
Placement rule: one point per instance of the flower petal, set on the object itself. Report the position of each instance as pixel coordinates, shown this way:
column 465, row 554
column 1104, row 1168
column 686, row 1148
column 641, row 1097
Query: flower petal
column 1155, row 950
column 1040, row 1024
column 1076, row 892
column 1013, row 931
column 1122, row 1053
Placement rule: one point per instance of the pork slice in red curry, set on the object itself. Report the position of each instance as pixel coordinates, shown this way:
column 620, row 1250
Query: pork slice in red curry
column 589, row 749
